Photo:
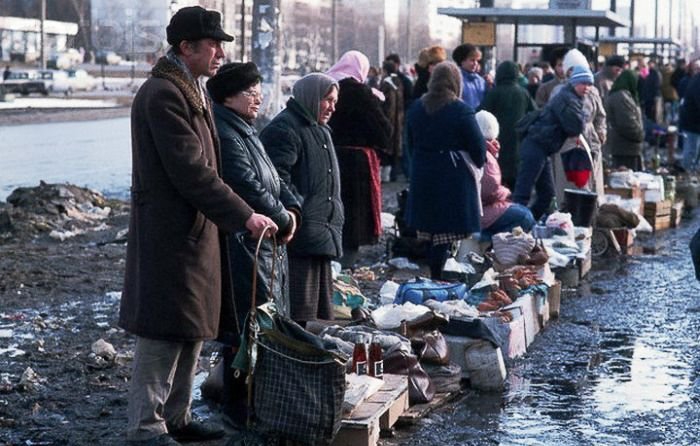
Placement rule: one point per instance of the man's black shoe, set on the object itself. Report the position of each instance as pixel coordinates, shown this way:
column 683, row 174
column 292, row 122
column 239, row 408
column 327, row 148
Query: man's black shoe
column 197, row 431
column 160, row 440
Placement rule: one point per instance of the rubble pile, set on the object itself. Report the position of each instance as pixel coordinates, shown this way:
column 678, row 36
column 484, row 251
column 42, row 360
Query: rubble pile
column 61, row 211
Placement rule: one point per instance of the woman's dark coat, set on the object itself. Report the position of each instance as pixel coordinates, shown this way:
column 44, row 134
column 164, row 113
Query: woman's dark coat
column 358, row 121
column 250, row 172
column 625, row 125
column 176, row 257
column 443, row 196
column 509, row 102
column 302, row 151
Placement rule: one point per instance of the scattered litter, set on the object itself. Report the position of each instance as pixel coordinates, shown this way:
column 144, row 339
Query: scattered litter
column 335, row 268
column 403, row 263
column 113, row 296
column 364, row 273
column 104, row 350
column 391, row 316
column 6, row 333
column 387, row 293
column 12, row 351
column 64, row 235
column 30, row 380
column 388, row 220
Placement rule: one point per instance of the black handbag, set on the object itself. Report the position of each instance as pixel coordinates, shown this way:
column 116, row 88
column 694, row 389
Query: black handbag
column 295, row 386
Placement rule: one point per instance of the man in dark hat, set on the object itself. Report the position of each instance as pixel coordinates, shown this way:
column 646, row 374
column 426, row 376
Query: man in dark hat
column 614, row 65
column 174, row 296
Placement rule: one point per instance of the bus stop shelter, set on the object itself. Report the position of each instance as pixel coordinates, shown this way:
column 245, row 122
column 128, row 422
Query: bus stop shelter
column 641, row 45
column 570, row 19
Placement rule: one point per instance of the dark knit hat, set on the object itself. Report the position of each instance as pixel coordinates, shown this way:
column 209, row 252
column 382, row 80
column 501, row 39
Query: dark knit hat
column 194, row 23
column 615, row 61
column 232, row 78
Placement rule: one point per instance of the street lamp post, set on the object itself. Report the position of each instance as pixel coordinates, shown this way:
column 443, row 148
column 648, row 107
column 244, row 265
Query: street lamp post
column 130, row 18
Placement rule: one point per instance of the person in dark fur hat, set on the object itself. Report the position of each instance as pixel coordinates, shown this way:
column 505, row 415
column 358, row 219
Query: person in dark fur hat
column 246, row 167
column 176, row 293
column 603, row 79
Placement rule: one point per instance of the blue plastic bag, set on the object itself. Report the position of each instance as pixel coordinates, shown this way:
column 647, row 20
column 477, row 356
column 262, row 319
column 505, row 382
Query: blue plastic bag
column 419, row 290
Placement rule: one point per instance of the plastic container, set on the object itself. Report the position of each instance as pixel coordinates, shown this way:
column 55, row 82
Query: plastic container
column 582, row 205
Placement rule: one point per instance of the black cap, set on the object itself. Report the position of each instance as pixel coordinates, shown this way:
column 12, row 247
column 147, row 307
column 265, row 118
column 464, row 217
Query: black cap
column 194, row 23
column 232, row 78
column 615, row 61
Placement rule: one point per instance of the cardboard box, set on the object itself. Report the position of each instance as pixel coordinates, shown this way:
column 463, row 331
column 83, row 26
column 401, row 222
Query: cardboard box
column 676, row 213
column 662, row 207
column 660, row 222
column 625, row 192
column 554, row 299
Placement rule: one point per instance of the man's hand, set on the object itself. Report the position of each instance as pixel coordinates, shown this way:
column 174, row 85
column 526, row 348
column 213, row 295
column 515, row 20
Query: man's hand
column 292, row 230
column 257, row 223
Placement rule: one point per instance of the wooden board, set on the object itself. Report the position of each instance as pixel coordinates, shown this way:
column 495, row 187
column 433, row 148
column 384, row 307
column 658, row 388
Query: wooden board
column 419, row 411
column 554, row 299
column 379, row 411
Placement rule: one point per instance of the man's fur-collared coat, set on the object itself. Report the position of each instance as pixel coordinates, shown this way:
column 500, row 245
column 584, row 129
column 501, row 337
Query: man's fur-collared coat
column 176, row 284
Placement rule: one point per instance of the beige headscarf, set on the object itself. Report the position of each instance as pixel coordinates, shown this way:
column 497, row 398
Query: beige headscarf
column 444, row 86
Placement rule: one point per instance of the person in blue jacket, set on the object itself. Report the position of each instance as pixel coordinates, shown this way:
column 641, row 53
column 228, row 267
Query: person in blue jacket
column 447, row 145
column 468, row 57
column 561, row 118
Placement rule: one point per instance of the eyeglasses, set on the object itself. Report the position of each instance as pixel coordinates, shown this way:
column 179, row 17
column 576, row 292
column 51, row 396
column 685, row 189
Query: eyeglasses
column 252, row 94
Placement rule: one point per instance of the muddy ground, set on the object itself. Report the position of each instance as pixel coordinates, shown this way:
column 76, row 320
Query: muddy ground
column 57, row 298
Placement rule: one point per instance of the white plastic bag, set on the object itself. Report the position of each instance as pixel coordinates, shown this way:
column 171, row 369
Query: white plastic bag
column 561, row 220
column 387, row 293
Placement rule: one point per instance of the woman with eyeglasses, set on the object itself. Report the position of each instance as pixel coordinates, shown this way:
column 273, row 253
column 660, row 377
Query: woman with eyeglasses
column 237, row 95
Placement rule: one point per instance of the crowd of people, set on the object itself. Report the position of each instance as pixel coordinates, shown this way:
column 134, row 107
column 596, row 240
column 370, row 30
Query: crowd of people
column 481, row 154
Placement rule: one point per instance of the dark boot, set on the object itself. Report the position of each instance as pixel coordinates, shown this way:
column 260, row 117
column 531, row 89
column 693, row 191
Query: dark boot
column 235, row 398
column 437, row 257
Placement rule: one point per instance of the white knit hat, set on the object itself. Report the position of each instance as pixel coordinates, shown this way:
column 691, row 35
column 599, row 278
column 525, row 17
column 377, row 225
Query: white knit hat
column 573, row 58
column 488, row 124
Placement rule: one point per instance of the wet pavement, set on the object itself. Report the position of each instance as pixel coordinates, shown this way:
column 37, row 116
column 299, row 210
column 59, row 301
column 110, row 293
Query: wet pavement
column 621, row 366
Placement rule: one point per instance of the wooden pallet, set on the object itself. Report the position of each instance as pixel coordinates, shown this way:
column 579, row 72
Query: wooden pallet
column 416, row 412
column 380, row 411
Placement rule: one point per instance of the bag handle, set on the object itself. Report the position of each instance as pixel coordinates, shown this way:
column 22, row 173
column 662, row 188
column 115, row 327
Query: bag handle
column 254, row 288
column 253, row 327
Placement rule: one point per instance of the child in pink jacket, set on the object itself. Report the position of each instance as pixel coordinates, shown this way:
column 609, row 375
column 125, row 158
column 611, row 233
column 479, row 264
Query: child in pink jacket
column 499, row 213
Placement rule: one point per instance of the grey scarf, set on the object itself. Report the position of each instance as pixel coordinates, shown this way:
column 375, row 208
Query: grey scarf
column 310, row 89
column 444, row 86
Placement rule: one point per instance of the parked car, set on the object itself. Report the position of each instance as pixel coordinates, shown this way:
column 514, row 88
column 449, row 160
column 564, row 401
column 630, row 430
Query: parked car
column 55, row 81
column 25, row 82
column 75, row 80
column 107, row 57
column 65, row 60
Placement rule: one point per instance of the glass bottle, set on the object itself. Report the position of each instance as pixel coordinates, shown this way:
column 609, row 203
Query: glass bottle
column 359, row 358
column 376, row 361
